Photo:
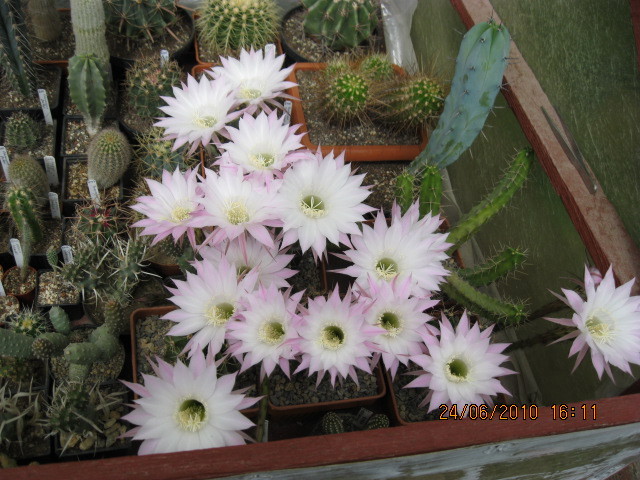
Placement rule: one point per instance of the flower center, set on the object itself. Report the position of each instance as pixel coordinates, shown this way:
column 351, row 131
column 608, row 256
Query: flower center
column 262, row 160
column 237, row 213
column 386, row 268
column 220, row 313
column 242, row 269
column 599, row 326
column 391, row 322
column 271, row 332
column 312, row 206
column 191, row 415
column 180, row 213
column 332, row 337
column 205, row 121
column 456, row 370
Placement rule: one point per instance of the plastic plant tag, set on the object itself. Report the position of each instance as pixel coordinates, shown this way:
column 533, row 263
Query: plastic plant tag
column 17, row 252
column 362, row 417
column 164, row 57
column 55, row 205
column 2, row 292
column 52, row 170
column 93, row 191
column 288, row 105
column 269, row 49
column 265, row 433
column 4, row 159
column 44, row 103
column 67, row 254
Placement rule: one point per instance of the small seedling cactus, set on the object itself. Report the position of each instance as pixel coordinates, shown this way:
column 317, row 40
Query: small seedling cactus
column 334, row 422
column 413, row 101
column 140, row 19
column 22, row 132
column 154, row 155
column 146, row 81
column 226, row 26
column 340, row 23
column 26, row 172
column 108, row 157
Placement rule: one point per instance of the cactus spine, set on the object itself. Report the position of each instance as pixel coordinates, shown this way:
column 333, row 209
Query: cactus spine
column 149, row 79
column 21, row 132
column 477, row 80
column 15, row 50
column 413, row 101
column 332, row 423
column 347, row 97
column 140, row 19
column 45, row 19
column 23, row 207
column 26, row 172
column 340, row 23
column 156, row 154
column 508, row 260
column 430, row 191
column 226, row 26
column 88, row 20
column 88, row 85
column 108, row 157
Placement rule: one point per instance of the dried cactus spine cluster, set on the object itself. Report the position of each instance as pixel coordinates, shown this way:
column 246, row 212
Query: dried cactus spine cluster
column 88, row 86
column 108, row 157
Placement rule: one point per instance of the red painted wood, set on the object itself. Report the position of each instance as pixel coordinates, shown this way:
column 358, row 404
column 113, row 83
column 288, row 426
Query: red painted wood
column 336, row 449
column 635, row 20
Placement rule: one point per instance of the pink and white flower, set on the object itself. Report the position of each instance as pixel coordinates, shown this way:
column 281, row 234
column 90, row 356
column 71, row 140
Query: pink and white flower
column 462, row 366
column 187, row 408
column 607, row 323
column 172, row 208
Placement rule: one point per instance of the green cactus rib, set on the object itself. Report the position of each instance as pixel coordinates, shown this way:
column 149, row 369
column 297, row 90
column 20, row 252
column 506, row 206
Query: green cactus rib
column 15, row 50
column 498, row 266
column 509, row 184
column 480, row 66
column 140, row 19
column 404, row 190
column 340, row 23
column 108, row 157
column 25, row 171
column 88, row 85
column 89, row 28
column 502, row 312
column 23, row 208
column 16, row 345
column 430, row 191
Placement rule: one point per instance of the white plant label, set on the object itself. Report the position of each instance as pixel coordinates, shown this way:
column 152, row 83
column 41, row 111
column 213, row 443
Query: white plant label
column 44, row 103
column 4, row 159
column 17, row 252
column 93, row 190
column 269, row 49
column 2, row 292
column 52, row 170
column 288, row 105
column 67, row 254
column 164, row 57
column 55, row 205
column 265, row 434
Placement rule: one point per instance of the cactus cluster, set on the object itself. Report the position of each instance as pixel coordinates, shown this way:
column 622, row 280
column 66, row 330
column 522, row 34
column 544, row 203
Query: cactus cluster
column 140, row 19
column 154, row 155
column 377, row 67
column 347, row 97
column 22, row 132
column 146, row 81
column 108, row 157
column 333, row 422
column 340, row 23
column 226, row 26
column 45, row 19
column 15, row 50
column 88, row 87
column 26, row 172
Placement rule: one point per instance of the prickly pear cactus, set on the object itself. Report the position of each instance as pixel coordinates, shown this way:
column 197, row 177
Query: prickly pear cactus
column 108, row 157
column 340, row 23
column 21, row 132
column 226, row 26
column 26, row 172
column 413, row 101
column 140, row 19
column 346, row 98
column 146, row 81
column 154, row 155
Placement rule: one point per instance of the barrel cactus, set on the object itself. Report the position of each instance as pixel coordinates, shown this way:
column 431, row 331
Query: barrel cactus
column 147, row 80
column 413, row 101
column 22, row 132
column 226, row 26
column 340, row 23
column 25, row 171
column 108, row 157
column 377, row 66
column 346, row 97
column 140, row 19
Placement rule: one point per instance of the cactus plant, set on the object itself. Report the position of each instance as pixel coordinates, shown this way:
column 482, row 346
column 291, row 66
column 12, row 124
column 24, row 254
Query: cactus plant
column 412, row 101
column 146, row 81
column 340, row 23
column 430, row 191
column 21, row 132
column 28, row 322
column 377, row 66
column 346, row 97
column 15, row 50
column 496, row 267
column 140, row 19
column 89, row 28
column 154, row 155
column 108, row 157
column 26, row 172
column 19, row 409
column 23, row 207
column 477, row 80
column 45, row 19
column 379, row 420
column 226, row 26
column 88, row 86
column 98, row 221
column 332, row 423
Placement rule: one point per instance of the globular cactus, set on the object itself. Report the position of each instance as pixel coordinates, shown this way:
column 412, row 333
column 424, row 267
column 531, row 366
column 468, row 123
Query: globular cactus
column 15, row 50
column 346, row 97
column 108, row 157
column 28, row 322
column 149, row 79
column 379, row 420
column 154, row 155
column 140, row 19
column 226, row 26
column 332, row 423
column 21, row 132
column 340, row 23
column 88, row 86
column 495, row 268
column 377, row 67
column 89, row 28
column 26, row 172
column 477, row 80
column 98, row 222
column 412, row 101
column 45, row 19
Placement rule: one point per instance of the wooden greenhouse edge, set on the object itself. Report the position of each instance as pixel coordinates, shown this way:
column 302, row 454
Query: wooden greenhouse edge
column 594, row 217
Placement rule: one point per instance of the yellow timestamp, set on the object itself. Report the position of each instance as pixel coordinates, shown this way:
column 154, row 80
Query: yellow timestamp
column 565, row 412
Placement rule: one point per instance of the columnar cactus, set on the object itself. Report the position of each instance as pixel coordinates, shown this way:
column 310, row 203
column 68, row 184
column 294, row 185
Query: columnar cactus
column 149, row 79
column 45, row 19
column 108, row 157
column 88, row 86
column 477, row 80
column 25, row 171
column 340, row 23
column 226, row 26
column 140, row 19
column 413, row 101
column 495, row 268
column 15, row 50
column 155, row 154
column 23, row 207
column 89, row 28
column 21, row 132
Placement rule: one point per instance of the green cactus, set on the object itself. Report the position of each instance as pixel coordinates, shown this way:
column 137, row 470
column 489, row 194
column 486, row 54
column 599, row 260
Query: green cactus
column 140, row 19
column 477, row 80
column 52, row 257
column 98, row 221
column 340, row 23
column 413, row 101
column 45, row 19
column 26, row 172
column 88, row 86
column 19, row 408
column 332, row 423
column 129, row 258
column 146, row 81
column 346, row 98
column 337, row 66
column 404, row 190
column 24, row 209
column 108, row 157
column 21, row 132
column 15, row 50
column 379, row 420
column 377, row 67
column 69, row 410
column 89, row 28
column 114, row 318
column 49, row 344
column 28, row 322
column 155, row 154
column 60, row 320
column 226, row 26
column 506, row 261
column 430, row 191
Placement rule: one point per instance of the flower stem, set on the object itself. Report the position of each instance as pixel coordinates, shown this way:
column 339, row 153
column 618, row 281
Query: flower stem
column 262, row 414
